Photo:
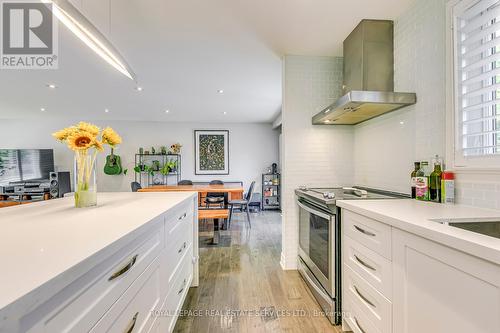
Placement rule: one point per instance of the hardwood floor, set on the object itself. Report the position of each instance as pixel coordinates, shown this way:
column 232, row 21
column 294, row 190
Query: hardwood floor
column 243, row 288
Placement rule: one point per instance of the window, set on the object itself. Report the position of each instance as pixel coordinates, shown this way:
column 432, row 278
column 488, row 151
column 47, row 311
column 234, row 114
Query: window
column 476, row 48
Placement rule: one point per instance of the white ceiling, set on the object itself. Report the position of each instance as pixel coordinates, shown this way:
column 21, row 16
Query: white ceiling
column 183, row 51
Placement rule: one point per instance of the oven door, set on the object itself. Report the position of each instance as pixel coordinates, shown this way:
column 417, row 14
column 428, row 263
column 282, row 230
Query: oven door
column 317, row 243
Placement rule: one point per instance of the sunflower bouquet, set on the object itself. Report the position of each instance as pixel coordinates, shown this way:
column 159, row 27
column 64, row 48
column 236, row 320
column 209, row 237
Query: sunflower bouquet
column 86, row 140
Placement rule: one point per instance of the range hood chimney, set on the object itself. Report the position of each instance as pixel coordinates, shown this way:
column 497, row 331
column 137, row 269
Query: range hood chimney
column 368, row 77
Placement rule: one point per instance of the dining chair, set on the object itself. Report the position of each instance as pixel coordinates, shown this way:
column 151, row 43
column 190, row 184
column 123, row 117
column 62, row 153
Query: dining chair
column 215, row 198
column 243, row 204
column 185, row 182
column 135, row 186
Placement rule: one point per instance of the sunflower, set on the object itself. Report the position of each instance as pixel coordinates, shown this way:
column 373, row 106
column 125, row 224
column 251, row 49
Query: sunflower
column 63, row 134
column 99, row 145
column 110, row 137
column 80, row 140
column 89, row 128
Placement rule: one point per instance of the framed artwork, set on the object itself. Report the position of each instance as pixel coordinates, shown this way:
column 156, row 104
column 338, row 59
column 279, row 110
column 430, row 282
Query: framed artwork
column 211, row 152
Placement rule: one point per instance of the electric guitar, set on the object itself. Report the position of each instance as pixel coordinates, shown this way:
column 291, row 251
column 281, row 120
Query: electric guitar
column 113, row 164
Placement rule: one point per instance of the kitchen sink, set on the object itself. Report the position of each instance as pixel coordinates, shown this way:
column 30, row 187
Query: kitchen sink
column 485, row 226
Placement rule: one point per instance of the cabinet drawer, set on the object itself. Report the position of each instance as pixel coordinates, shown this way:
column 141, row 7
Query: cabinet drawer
column 371, row 304
column 356, row 319
column 371, row 266
column 181, row 233
column 373, row 234
column 174, row 259
column 177, row 293
column 95, row 292
column 180, row 214
column 133, row 311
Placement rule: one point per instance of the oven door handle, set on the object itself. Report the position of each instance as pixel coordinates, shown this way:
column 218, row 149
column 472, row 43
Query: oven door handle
column 314, row 211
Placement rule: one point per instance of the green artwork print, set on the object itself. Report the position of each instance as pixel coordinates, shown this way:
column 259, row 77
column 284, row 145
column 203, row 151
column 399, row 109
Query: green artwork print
column 211, row 149
column 211, row 152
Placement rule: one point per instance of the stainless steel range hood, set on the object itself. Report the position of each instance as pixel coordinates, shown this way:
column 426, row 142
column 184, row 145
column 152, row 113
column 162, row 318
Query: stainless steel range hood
column 368, row 77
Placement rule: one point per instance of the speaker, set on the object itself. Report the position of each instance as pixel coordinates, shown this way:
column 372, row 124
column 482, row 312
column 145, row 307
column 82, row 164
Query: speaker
column 60, row 184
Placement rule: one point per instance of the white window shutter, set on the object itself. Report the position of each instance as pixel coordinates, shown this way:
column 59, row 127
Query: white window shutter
column 477, row 44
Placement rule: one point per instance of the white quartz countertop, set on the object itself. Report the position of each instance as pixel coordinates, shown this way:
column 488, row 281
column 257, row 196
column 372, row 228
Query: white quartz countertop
column 414, row 216
column 40, row 241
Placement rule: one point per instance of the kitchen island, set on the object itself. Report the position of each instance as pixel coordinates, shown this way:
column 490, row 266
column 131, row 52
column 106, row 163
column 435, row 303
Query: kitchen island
column 403, row 271
column 109, row 267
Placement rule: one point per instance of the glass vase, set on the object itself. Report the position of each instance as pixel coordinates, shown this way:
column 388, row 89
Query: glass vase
column 85, row 179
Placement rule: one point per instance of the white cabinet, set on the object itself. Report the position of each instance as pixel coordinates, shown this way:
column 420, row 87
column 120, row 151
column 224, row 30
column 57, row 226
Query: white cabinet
column 395, row 281
column 438, row 289
column 125, row 291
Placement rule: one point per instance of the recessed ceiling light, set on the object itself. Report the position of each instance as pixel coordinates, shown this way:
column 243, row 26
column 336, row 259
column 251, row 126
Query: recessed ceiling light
column 138, row 88
column 42, row 109
column 106, row 110
column 401, row 122
column 220, row 91
column 327, row 121
column 51, row 86
column 167, row 111
column 225, row 112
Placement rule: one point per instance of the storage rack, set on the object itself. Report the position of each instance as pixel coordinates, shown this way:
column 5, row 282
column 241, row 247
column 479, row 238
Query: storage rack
column 146, row 179
column 271, row 191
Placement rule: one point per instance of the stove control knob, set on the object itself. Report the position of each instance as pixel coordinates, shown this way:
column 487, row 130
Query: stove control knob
column 328, row 195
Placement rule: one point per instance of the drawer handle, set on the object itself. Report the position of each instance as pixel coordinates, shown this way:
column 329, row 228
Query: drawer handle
column 182, row 289
column 124, row 269
column 359, row 326
column 182, row 248
column 364, row 231
column 131, row 325
column 363, row 297
column 183, row 216
column 364, row 263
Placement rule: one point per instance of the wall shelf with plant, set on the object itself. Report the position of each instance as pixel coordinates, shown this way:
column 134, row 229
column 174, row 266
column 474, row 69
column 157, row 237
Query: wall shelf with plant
column 157, row 169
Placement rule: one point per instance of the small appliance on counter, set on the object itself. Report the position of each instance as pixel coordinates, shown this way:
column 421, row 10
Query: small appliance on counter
column 319, row 240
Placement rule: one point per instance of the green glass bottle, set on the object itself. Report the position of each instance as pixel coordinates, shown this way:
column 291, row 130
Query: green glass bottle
column 435, row 183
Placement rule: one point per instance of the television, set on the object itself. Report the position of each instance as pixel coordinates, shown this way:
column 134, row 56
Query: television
column 22, row 165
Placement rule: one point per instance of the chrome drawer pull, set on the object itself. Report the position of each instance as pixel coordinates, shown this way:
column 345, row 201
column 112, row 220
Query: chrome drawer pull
column 364, row 263
column 182, row 289
column 364, row 231
column 124, row 269
column 183, row 216
column 363, row 297
column 182, row 247
column 359, row 326
column 131, row 325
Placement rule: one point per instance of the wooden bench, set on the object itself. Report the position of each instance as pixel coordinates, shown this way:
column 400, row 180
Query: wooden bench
column 214, row 214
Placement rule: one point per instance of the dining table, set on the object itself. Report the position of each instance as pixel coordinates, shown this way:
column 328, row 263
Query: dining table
column 234, row 192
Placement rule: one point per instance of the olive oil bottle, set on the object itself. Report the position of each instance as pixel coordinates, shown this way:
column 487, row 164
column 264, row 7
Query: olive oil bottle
column 435, row 181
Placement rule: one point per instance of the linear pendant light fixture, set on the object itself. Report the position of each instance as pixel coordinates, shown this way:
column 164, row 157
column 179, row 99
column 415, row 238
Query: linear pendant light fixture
column 79, row 25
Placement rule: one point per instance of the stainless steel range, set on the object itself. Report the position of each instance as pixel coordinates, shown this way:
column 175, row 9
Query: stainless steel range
column 319, row 240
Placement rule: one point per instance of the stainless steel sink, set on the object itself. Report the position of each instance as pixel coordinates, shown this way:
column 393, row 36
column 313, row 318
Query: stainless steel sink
column 485, row 226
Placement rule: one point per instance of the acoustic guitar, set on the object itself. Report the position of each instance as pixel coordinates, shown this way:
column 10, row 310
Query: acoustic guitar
column 113, row 164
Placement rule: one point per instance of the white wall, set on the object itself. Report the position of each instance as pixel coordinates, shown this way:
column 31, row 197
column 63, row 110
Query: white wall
column 386, row 147
column 312, row 155
column 252, row 147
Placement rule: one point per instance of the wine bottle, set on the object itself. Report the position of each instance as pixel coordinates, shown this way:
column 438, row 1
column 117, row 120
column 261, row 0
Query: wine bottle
column 422, row 182
column 413, row 176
